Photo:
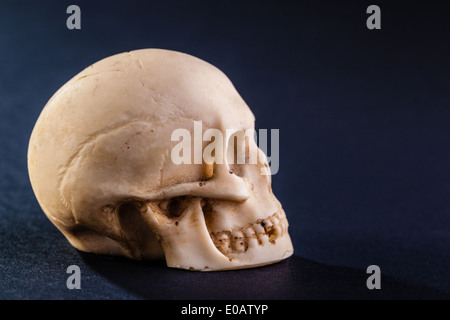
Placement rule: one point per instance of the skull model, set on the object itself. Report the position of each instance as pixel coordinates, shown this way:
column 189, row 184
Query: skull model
column 100, row 165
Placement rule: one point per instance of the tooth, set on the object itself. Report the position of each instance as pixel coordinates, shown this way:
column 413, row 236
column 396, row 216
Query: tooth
column 238, row 243
column 258, row 228
column 263, row 239
column 222, row 236
column 252, row 243
column 239, row 246
column 278, row 231
column 284, row 225
column 237, row 234
column 274, row 233
column 275, row 220
column 281, row 214
column 222, row 242
column 267, row 225
column 249, row 232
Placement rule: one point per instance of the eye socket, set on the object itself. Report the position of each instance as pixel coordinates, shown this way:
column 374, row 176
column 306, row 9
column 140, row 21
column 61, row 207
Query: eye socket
column 174, row 207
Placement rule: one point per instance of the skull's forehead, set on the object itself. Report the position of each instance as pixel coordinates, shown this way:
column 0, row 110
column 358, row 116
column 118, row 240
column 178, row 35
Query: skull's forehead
column 169, row 83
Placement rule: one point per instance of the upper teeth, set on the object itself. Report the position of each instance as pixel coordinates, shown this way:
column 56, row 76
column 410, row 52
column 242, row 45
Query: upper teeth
column 256, row 233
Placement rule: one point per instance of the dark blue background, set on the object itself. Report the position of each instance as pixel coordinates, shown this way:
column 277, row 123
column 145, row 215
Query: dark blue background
column 364, row 119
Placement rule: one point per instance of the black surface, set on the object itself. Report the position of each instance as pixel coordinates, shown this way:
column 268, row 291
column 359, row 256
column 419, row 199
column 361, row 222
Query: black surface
column 364, row 128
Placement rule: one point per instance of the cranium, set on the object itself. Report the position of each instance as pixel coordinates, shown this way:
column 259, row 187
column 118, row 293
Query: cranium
column 100, row 165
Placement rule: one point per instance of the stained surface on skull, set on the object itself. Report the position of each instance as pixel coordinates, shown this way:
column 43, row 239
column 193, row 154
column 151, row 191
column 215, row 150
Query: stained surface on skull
column 100, row 165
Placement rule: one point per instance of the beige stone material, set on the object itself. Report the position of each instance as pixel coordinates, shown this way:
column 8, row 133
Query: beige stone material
column 100, row 165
